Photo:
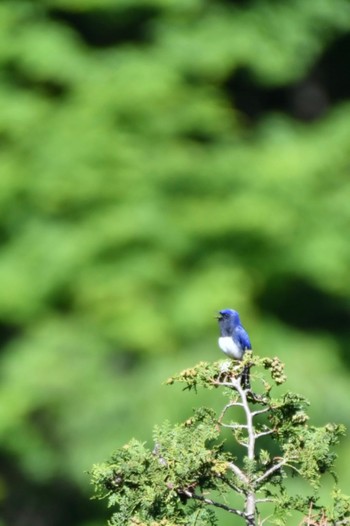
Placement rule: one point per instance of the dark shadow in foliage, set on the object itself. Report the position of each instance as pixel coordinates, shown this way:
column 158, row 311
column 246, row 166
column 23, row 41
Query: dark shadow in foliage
column 238, row 3
column 15, row 75
column 8, row 333
column 56, row 502
column 62, row 301
column 325, row 84
column 300, row 304
column 334, row 68
column 306, row 100
column 101, row 28
column 227, row 246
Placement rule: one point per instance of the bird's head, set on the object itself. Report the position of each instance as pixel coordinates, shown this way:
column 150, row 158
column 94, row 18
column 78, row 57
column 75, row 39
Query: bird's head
column 229, row 316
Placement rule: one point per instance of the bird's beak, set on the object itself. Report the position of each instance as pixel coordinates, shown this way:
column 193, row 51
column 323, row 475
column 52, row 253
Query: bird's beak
column 218, row 316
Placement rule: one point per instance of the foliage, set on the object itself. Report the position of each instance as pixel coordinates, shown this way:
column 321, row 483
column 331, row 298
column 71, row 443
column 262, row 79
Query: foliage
column 135, row 477
column 177, row 481
column 162, row 159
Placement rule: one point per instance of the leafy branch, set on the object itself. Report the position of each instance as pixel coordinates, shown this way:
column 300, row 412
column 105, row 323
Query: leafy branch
column 189, row 474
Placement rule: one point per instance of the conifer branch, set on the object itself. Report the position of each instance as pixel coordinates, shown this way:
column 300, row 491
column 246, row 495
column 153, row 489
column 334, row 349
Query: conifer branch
column 153, row 486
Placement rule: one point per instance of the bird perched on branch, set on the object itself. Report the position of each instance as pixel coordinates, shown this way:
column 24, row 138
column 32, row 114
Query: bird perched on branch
column 234, row 339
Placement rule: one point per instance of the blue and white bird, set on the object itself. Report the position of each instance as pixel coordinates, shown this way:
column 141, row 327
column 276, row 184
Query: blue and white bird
column 234, row 339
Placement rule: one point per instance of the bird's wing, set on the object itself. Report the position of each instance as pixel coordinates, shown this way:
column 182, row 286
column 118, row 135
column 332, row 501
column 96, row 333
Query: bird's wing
column 242, row 338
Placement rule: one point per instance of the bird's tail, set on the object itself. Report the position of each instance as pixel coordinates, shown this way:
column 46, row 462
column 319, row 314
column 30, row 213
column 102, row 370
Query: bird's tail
column 245, row 378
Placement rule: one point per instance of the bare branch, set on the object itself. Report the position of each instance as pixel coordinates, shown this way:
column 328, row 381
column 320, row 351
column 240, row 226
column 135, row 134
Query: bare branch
column 292, row 467
column 249, row 419
column 269, row 472
column 234, row 383
column 238, row 472
column 227, row 406
column 241, row 443
column 234, row 426
column 263, row 433
column 261, row 411
column 214, row 503
column 264, row 520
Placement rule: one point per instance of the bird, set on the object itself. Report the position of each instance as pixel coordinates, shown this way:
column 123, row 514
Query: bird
column 234, row 339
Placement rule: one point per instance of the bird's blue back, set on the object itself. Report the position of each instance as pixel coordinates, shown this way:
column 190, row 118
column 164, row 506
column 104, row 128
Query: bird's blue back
column 240, row 336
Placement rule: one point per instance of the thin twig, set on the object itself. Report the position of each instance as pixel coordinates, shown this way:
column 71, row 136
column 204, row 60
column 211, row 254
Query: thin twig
column 269, row 472
column 241, row 443
column 260, row 411
column 214, row 503
column 263, row 433
column 232, row 486
column 222, row 414
column 264, row 520
column 225, row 384
column 234, row 426
column 293, row 467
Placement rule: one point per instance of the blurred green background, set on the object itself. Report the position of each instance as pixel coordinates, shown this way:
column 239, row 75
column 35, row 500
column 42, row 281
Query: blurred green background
column 160, row 160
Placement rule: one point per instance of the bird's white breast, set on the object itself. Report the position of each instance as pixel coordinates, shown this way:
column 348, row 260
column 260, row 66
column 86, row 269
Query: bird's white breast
column 230, row 348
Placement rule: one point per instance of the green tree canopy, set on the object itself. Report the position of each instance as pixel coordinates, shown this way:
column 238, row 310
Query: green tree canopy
column 161, row 160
